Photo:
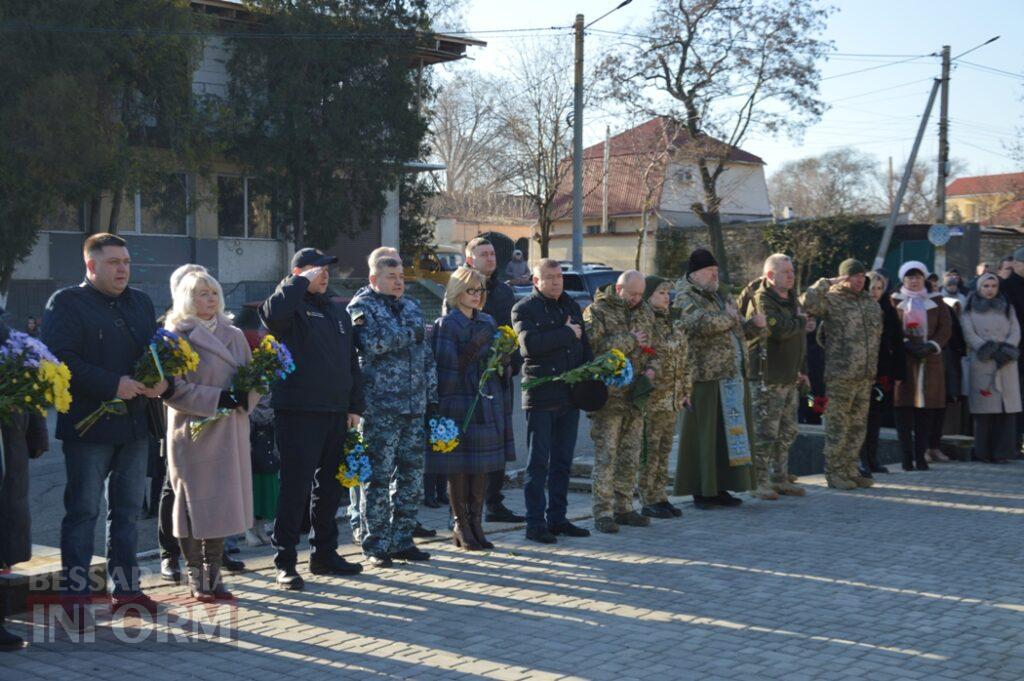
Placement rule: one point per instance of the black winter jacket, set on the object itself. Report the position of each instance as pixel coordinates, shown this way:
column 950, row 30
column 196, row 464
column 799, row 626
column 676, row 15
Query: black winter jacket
column 548, row 346
column 319, row 335
column 100, row 338
column 500, row 301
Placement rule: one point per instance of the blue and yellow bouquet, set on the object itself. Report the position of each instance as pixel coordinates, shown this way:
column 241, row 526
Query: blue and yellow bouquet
column 612, row 367
column 271, row 362
column 355, row 469
column 168, row 354
column 31, row 378
column 444, row 434
column 503, row 345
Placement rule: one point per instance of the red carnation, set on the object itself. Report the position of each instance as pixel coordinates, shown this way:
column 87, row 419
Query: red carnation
column 986, row 393
column 648, row 350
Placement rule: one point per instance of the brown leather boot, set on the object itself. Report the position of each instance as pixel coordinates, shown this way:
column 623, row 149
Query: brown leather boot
column 462, row 532
column 477, row 492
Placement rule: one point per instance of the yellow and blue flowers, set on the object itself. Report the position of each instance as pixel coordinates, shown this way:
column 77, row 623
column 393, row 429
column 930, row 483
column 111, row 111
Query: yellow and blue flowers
column 612, row 367
column 271, row 362
column 503, row 345
column 444, row 434
column 31, row 378
column 168, row 354
column 355, row 469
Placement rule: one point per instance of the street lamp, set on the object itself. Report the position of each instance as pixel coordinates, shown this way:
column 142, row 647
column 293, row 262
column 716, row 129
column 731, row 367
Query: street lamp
column 577, row 139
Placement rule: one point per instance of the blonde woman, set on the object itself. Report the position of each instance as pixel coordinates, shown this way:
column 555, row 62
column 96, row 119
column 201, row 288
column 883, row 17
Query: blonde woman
column 462, row 342
column 211, row 476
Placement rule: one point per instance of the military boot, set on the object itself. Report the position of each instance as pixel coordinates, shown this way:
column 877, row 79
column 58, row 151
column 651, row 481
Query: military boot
column 789, row 489
column 840, row 483
column 764, row 491
column 861, row 481
column 606, row 525
column 631, row 518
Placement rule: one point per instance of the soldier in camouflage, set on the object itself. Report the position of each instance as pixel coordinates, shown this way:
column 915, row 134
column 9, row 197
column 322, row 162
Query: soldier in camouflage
column 400, row 382
column 619, row 318
column 664, row 403
column 777, row 356
column 852, row 326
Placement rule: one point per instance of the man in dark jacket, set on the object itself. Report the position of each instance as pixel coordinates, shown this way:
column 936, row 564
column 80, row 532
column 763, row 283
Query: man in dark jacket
column 552, row 340
column 1013, row 287
column 313, row 409
column 99, row 329
column 500, row 299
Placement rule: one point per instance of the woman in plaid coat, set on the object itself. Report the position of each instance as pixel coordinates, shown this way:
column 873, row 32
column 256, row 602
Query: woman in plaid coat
column 462, row 342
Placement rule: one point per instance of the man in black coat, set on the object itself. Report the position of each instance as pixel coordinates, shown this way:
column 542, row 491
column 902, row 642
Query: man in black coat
column 99, row 329
column 313, row 410
column 552, row 340
column 480, row 255
column 1013, row 287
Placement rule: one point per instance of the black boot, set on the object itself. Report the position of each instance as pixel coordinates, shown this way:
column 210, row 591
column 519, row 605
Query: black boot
column 430, row 499
column 462, row 532
column 477, row 491
column 8, row 641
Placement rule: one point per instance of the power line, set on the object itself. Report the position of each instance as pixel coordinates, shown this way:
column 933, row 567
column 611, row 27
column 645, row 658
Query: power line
column 991, row 69
column 880, row 66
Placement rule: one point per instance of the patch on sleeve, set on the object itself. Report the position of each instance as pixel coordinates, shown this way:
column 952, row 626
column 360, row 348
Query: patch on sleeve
column 358, row 318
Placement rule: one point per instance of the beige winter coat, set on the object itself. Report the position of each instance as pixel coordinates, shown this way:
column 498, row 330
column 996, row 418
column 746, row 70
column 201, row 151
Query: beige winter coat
column 211, row 477
column 1000, row 385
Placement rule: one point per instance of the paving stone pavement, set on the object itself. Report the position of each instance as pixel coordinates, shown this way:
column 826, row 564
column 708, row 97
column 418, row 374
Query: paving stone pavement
column 917, row 578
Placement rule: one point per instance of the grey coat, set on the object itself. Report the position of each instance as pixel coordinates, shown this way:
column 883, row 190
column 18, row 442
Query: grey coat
column 1000, row 385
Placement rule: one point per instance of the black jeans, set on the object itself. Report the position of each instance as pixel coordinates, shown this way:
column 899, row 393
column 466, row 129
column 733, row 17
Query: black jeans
column 551, row 440
column 169, row 546
column 915, row 427
column 311, row 445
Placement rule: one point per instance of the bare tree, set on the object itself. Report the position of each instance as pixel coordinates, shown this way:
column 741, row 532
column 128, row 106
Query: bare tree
column 535, row 137
column 712, row 65
column 919, row 200
column 840, row 182
column 464, row 131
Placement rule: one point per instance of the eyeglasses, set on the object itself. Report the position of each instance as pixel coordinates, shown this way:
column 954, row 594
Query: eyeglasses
column 476, row 291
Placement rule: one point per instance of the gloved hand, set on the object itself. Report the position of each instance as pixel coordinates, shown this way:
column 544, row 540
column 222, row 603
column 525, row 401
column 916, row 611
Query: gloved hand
column 419, row 332
column 228, row 400
column 986, row 351
column 1011, row 351
column 918, row 349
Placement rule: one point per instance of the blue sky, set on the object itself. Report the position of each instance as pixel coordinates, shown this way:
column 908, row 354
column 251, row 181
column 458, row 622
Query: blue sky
column 986, row 108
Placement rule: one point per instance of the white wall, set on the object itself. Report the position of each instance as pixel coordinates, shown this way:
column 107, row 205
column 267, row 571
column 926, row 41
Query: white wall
column 37, row 265
column 742, row 187
column 250, row 260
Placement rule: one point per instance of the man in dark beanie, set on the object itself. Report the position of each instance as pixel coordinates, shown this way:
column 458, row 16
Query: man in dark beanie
column 714, row 443
column 853, row 327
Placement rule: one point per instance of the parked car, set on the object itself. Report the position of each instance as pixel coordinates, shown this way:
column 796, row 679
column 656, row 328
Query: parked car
column 247, row 318
column 580, row 286
column 587, row 266
column 436, row 265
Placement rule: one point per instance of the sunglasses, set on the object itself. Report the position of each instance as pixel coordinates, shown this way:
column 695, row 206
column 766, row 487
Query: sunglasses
column 476, row 291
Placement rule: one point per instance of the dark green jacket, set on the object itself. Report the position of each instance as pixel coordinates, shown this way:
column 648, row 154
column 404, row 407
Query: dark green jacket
column 783, row 358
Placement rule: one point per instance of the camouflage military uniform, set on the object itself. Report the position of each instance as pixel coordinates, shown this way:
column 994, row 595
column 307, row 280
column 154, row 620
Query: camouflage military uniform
column 715, row 351
column 663, row 406
column 852, row 324
column 777, row 355
column 617, row 429
column 399, row 380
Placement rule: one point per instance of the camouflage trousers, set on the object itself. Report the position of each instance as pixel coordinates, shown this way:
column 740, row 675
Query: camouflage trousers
column 390, row 499
column 775, row 429
column 617, row 433
column 846, row 422
column 659, row 431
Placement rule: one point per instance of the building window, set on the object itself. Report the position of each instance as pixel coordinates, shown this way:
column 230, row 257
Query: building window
column 611, row 226
column 593, row 229
column 163, row 209
column 244, row 208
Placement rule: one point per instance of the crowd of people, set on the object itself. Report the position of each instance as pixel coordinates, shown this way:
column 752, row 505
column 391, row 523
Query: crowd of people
column 726, row 374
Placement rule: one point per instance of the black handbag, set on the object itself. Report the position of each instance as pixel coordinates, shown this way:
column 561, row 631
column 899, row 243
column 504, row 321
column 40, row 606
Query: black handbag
column 263, row 450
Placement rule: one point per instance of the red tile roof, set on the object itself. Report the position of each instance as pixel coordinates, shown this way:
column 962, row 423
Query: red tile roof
column 630, row 155
column 987, row 184
column 1012, row 214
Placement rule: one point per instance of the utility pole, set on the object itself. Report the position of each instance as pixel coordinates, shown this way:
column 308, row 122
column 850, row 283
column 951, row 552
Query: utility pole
column 940, row 180
column 894, row 211
column 577, row 151
column 891, row 180
column 604, row 181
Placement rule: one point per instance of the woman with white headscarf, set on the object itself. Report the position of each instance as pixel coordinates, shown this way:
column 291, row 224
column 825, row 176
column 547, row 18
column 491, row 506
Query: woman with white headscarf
column 992, row 333
column 920, row 398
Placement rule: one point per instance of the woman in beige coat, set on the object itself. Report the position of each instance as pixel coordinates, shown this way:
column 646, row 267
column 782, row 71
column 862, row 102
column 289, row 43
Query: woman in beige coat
column 993, row 336
column 211, row 476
